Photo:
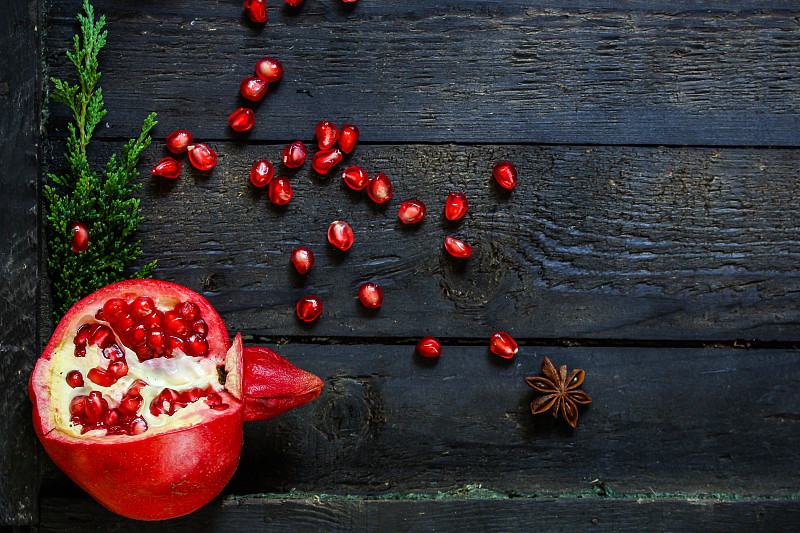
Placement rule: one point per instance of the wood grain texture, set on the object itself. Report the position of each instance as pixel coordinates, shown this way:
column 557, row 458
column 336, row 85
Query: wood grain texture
column 709, row 73
column 19, row 239
column 594, row 243
column 515, row 515
column 662, row 421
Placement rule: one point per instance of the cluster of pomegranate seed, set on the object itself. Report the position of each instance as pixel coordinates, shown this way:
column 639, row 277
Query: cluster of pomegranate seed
column 253, row 88
column 200, row 155
column 102, row 337
column 169, row 401
column 327, row 136
column 92, row 411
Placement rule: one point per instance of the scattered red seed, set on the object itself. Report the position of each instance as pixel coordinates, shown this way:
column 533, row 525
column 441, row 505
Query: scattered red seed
column 309, row 308
column 429, row 347
column 348, row 137
column 280, row 190
column 74, row 379
column 261, row 173
column 303, row 259
column 80, row 238
column 202, row 157
column 256, row 10
column 294, row 3
column 269, row 69
column 327, row 134
column 506, row 174
column 242, row 119
column 379, row 188
column 503, row 345
column 457, row 248
column 167, row 168
column 178, row 141
column 324, row 160
column 371, row 295
column 340, row 234
column 253, row 88
column 455, row 206
column 355, row 177
column 294, row 154
column 411, row 211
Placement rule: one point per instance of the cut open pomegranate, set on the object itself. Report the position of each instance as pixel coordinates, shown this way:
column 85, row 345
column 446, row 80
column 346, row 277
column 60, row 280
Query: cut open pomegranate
column 140, row 387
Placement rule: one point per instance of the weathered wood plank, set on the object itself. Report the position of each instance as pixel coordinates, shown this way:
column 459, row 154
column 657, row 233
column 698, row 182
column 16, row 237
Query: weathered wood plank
column 594, row 243
column 19, row 237
column 708, row 73
column 514, row 515
column 661, row 421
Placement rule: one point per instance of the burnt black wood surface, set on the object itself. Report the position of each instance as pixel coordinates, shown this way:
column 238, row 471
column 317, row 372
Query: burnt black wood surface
column 654, row 232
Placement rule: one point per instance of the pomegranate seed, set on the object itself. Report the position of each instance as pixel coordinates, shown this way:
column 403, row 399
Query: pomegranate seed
column 327, row 134
column 188, row 310
column 429, row 347
column 457, row 248
column 202, row 157
column 355, row 177
column 137, row 426
column 411, row 211
column 256, row 10
column 506, row 174
column 455, row 206
column 253, row 88
column 200, row 327
column 220, row 407
column 138, row 335
column 379, row 188
column 113, row 352
column 102, row 337
column 303, row 259
column 169, row 395
column 80, row 238
column 101, row 377
column 114, row 309
column 503, row 345
column 269, row 69
column 294, row 155
column 261, row 173
column 294, row 3
column 178, row 141
column 112, row 417
column 153, row 320
column 136, row 386
column 95, row 407
column 324, row 160
column 143, row 353
column 371, row 295
column 142, row 306
column 157, row 341
column 213, row 399
column 174, row 344
column 309, row 308
column 82, row 335
column 177, row 326
column 130, row 403
column 340, row 234
column 118, row 368
column 198, row 346
column 348, row 137
column 124, row 324
column 242, row 119
column 280, row 191
column 191, row 395
column 74, row 379
column 77, row 406
column 167, row 168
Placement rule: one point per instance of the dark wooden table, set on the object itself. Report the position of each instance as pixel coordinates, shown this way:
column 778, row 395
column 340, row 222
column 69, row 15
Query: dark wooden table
column 653, row 240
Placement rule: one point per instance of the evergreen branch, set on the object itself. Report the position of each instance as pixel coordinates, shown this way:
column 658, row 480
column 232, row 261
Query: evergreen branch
column 104, row 203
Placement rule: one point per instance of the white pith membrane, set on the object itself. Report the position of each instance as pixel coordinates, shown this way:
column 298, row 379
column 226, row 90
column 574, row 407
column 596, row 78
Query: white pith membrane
column 181, row 372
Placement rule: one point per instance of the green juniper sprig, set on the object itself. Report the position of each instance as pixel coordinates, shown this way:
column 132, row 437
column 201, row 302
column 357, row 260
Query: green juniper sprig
column 104, row 203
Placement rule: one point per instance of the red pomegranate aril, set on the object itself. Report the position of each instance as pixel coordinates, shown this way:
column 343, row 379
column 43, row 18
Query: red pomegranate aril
column 340, row 234
column 124, row 324
column 213, row 399
column 253, row 88
column 153, row 320
column 294, row 3
column 280, row 191
column 75, row 379
column 143, row 353
column 101, row 377
column 309, row 308
column 327, row 134
column 294, row 154
column 178, row 141
column 411, row 212
column 303, row 259
column 174, row 344
column 188, row 310
column 177, row 326
column 242, row 119
column 95, row 407
column 506, row 174
column 82, row 335
column 118, row 368
column 503, row 345
column 130, row 403
column 102, row 337
column 167, row 168
column 137, row 426
column 324, row 160
column 112, row 417
column 142, row 306
column 348, row 137
column 138, row 335
column 77, row 406
column 269, row 69
column 256, row 10
column 157, row 341
column 197, row 345
column 429, row 347
column 202, row 157
column 457, row 248
column 80, row 238
column 355, row 177
column 455, row 206
column 191, row 395
column 136, row 386
column 379, row 188
column 200, row 327
column 220, row 407
column 113, row 352
column 371, row 295
column 262, row 173
column 114, row 309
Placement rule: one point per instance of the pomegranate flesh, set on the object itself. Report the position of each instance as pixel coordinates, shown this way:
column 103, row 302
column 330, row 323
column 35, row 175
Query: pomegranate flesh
column 165, row 391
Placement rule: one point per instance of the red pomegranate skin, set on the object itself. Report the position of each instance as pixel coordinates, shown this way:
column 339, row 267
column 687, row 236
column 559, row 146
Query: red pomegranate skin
column 175, row 472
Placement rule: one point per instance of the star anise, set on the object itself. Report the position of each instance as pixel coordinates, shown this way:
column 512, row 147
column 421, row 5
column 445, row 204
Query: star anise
column 560, row 392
